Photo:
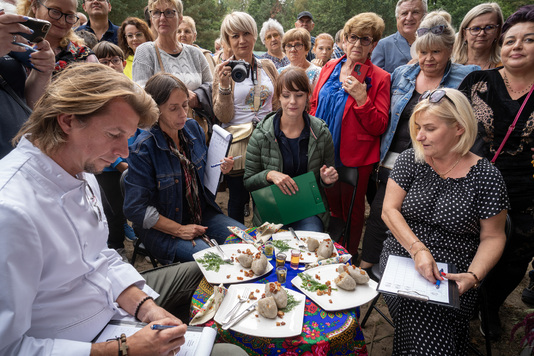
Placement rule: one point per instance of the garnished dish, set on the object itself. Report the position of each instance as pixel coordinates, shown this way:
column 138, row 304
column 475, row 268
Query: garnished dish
column 280, row 311
column 333, row 288
column 319, row 245
column 217, row 271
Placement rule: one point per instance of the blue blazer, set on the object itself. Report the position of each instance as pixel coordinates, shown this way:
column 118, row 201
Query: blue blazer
column 391, row 52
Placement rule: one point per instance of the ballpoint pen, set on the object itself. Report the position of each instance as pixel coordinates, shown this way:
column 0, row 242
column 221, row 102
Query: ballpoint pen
column 162, row 327
column 438, row 282
column 218, row 164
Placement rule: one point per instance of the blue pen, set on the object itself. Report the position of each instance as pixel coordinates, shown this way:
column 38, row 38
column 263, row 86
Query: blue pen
column 218, row 164
column 162, row 327
column 438, row 282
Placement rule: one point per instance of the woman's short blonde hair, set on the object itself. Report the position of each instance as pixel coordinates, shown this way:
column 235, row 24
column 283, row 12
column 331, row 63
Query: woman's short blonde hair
column 459, row 52
column 25, row 7
column 188, row 20
column 457, row 111
column 366, row 21
column 430, row 40
column 237, row 21
column 297, row 34
column 83, row 90
column 176, row 4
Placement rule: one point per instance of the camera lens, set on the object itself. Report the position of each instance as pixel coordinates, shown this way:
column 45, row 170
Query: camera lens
column 239, row 73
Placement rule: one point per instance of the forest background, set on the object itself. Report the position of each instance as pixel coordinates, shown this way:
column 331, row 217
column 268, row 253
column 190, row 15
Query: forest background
column 329, row 15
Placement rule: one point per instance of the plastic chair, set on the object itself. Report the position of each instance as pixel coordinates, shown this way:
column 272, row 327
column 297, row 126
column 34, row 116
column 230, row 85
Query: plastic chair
column 139, row 247
column 348, row 175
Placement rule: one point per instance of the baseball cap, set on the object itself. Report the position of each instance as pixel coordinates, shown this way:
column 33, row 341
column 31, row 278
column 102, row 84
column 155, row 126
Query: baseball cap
column 305, row 14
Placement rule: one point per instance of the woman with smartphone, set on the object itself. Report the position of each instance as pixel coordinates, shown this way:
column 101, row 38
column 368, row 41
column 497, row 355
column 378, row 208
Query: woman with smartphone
column 353, row 93
column 61, row 14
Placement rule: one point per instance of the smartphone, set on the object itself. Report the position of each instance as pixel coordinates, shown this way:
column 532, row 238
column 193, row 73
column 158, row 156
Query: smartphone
column 40, row 29
column 24, row 57
column 360, row 71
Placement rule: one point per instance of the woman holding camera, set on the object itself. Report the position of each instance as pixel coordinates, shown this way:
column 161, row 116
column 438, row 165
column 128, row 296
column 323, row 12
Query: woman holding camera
column 242, row 96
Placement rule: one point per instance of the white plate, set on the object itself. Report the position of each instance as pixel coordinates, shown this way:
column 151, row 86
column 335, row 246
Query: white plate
column 341, row 299
column 229, row 273
column 306, row 256
column 258, row 325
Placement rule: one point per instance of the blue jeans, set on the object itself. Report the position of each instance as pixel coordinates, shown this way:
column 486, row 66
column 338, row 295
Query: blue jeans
column 238, row 198
column 313, row 223
column 217, row 229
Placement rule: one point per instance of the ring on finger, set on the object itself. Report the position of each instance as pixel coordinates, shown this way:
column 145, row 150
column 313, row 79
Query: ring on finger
column 349, row 81
column 14, row 38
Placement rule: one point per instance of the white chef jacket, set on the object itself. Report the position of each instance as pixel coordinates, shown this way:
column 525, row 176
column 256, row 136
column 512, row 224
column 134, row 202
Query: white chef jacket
column 58, row 279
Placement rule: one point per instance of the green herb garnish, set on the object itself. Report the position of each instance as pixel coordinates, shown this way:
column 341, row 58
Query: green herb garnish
column 281, row 245
column 212, row 261
column 291, row 303
column 309, row 283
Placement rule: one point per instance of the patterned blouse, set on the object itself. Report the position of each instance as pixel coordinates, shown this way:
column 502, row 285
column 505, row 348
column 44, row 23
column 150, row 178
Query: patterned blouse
column 72, row 53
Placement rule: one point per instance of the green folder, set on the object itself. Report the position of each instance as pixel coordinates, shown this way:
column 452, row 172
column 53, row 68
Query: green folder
column 276, row 207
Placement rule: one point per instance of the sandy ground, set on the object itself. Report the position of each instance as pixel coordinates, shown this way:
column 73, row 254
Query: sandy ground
column 379, row 334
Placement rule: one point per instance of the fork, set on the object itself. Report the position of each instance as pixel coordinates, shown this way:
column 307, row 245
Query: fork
column 223, row 255
column 301, row 244
column 234, row 310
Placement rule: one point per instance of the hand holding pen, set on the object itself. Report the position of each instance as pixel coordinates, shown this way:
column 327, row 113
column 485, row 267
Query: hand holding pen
column 227, row 164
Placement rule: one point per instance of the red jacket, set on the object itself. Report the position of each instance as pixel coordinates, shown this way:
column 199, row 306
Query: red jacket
column 361, row 126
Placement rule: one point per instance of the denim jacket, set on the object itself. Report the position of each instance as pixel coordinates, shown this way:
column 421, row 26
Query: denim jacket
column 403, row 86
column 155, row 180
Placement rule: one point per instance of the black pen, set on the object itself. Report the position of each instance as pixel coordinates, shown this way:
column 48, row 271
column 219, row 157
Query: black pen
column 162, row 327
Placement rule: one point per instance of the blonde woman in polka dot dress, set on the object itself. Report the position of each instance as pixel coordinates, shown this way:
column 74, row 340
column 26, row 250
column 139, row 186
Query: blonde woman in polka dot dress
column 443, row 203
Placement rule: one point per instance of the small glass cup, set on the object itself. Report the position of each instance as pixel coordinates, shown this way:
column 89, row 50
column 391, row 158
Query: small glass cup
column 295, row 259
column 268, row 250
column 281, row 274
column 280, row 259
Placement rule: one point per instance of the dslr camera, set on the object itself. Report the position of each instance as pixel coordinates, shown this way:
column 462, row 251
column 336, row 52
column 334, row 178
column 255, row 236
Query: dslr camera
column 240, row 70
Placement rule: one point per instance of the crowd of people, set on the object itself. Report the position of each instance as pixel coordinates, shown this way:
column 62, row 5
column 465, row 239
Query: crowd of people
column 103, row 123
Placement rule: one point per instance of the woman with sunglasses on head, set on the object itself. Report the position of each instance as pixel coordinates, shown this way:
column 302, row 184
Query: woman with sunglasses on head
column 433, row 45
column 61, row 14
column 442, row 204
column 498, row 96
column 358, row 105
column 132, row 33
column 478, row 40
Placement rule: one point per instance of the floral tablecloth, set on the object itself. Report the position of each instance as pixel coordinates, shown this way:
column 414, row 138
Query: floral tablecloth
column 323, row 333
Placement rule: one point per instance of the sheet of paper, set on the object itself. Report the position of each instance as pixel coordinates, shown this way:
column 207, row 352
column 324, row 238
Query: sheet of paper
column 198, row 340
column 219, row 143
column 400, row 275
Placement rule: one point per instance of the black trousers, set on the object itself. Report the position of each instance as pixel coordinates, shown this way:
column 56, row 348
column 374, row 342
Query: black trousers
column 110, row 184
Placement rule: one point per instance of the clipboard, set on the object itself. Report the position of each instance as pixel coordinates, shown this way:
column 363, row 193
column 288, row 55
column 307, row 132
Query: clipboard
column 278, row 208
column 218, row 149
column 400, row 278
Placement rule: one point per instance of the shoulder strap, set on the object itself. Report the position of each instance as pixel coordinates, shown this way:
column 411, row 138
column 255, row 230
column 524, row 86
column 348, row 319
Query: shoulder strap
column 161, row 67
column 14, row 95
column 512, row 126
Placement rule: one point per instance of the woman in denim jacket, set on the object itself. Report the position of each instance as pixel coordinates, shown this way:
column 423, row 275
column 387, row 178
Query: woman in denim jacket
column 433, row 45
column 164, row 190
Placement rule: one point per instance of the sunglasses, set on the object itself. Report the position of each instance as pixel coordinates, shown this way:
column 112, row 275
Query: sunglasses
column 437, row 30
column 435, row 96
column 488, row 29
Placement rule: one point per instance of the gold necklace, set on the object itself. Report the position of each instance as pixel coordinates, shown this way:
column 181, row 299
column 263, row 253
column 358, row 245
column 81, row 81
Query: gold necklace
column 442, row 175
column 510, row 87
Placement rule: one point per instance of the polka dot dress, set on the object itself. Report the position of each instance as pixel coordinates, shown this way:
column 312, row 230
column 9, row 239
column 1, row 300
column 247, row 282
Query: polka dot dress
column 444, row 214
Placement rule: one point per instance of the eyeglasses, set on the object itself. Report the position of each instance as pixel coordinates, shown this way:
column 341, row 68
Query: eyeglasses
column 364, row 41
column 156, row 14
column 434, row 96
column 437, row 30
column 57, row 15
column 115, row 60
column 137, row 35
column 93, row 201
column 488, row 29
column 274, row 35
column 296, row 46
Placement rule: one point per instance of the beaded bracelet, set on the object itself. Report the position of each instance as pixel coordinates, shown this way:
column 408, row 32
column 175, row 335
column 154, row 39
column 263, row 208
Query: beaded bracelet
column 421, row 249
column 413, row 243
column 225, row 91
column 139, row 306
column 123, row 348
column 477, row 281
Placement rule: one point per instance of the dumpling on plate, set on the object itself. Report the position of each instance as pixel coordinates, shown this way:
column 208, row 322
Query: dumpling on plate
column 245, row 260
column 259, row 264
column 359, row 275
column 267, row 308
column 346, row 282
column 313, row 244
column 275, row 290
column 326, row 247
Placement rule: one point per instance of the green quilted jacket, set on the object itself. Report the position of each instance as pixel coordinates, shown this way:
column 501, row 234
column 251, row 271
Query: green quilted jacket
column 264, row 155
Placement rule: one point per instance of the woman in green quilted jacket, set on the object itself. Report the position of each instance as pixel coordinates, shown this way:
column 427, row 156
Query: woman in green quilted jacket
column 288, row 143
